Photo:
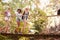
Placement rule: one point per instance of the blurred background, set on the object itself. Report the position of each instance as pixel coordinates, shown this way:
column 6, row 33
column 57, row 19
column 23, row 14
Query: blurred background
column 42, row 18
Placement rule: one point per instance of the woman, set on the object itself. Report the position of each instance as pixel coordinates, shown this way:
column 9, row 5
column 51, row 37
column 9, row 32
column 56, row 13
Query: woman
column 25, row 14
column 25, row 17
column 18, row 19
column 7, row 20
column 19, row 16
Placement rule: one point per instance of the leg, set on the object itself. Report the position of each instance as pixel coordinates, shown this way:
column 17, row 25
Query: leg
column 24, row 26
column 7, row 26
column 18, row 23
column 17, row 28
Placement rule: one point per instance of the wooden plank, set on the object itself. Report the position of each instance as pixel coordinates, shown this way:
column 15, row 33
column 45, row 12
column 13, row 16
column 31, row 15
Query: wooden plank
column 31, row 35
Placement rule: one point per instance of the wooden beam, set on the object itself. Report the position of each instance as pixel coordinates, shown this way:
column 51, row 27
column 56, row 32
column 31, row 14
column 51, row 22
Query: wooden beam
column 31, row 35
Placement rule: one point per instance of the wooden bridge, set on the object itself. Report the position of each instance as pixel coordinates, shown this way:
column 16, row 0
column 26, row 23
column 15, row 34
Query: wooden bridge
column 37, row 36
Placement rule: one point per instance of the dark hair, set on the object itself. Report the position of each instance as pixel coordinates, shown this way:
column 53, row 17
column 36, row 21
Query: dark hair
column 58, row 12
column 24, row 13
column 19, row 10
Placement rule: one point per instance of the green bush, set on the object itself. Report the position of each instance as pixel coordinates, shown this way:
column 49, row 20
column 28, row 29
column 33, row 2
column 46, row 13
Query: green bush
column 41, row 21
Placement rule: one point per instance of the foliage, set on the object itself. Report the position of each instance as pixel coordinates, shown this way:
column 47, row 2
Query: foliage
column 3, row 37
column 41, row 21
column 35, row 17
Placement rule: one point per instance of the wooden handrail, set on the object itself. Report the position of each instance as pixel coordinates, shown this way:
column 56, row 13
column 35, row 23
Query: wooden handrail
column 53, row 15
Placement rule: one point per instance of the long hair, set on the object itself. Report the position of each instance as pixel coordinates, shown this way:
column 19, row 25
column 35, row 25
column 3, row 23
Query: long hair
column 23, row 15
column 23, row 12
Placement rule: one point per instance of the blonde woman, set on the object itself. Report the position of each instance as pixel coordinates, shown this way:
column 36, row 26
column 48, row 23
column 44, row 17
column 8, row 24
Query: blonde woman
column 7, row 19
column 25, row 17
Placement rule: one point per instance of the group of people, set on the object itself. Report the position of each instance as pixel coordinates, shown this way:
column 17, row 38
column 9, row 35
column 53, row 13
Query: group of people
column 19, row 17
